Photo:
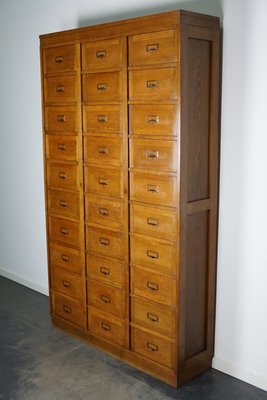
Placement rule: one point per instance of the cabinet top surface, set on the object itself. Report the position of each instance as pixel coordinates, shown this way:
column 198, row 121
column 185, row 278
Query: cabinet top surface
column 149, row 23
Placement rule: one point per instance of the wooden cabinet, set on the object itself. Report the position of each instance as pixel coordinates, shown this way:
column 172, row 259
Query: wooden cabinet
column 131, row 147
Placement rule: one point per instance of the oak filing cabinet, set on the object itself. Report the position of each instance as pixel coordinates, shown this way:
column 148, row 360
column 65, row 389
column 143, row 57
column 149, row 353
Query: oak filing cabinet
column 131, row 144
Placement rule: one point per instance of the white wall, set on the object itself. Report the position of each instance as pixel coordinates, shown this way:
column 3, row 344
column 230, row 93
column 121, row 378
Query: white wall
column 241, row 327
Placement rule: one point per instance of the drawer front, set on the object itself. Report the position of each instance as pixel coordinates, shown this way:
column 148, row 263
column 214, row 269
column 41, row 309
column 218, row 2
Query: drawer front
column 103, row 211
column 105, row 242
column 68, row 309
column 101, row 54
column 153, row 84
column 62, row 147
column 63, row 203
column 103, row 150
column 153, row 347
column 153, row 286
column 102, row 119
column 63, row 176
column 65, row 257
column 153, row 188
column 158, row 318
column 67, row 283
column 153, row 221
column 104, row 86
column 60, row 89
column 59, row 59
column 64, row 231
column 110, row 327
column 104, row 181
column 153, row 119
column 157, row 254
column 153, row 48
column 105, row 269
column 153, row 154
column 60, row 119
column 106, row 298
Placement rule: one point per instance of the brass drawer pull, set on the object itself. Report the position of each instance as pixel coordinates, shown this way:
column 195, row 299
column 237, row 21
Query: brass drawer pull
column 101, row 54
column 152, row 317
column 151, row 48
column 152, row 254
column 153, row 119
column 152, row 347
column 63, row 203
column 64, row 231
column 59, row 59
column 152, row 286
column 104, row 241
column 60, row 89
column 66, row 284
column 153, row 188
column 62, row 175
column 153, row 154
column 62, row 146
column 103, row 181
column 65, row 257
column 104, row 212
column 101, row 87
column 67, row 309
column 103, row 150
column 61, row 118
column 106, row 327
column 152, row 221
column 152, row 84
column 104, row 270
column 105, row 299
column 103, row 118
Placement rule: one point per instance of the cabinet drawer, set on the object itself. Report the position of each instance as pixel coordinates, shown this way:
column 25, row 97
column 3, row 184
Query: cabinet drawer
column 65, row 257
column 153, row 84
column 59, row 59
column 62, row 147
column 101, row 54
column 68, row 309
column 153, row 119
column 153, row 286
column 102, row 119
column 104, row 86
column 63, row 203
column 106, row 298
column 66, row 283
column 108, row 326
column 60, row 89
column 103, row 211
column 153, row 347
column 103, row 150
column 105, row 269
column 150, row 252
column 63, row 176
column 158, row 318
column 106, row 181
column 153, row 221
column 153, row 188
column 153, row 154
column 60, row 119
column 105, row 242
column 64, row 231
column 153, row 48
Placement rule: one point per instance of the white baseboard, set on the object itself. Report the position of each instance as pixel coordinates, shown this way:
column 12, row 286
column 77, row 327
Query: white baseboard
column 25, row 282
column 236, row 371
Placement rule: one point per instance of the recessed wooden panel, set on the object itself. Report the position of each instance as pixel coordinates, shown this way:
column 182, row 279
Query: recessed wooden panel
column 103, row 150
column 61, row 175
column 198, row 133
column 62, row 147
column 61, row 119
column 105, row 269
column 102, row 119
column 102, row 54
column 106, row 298
column 105, row 242
column 60, row 89
column 102, row 86
column 105, row 181
column 196, row 282
column 65, row 257
column 63, row 203
column 59, row 59
column 104, row 211
column 68, row 309
column 66, row 283
column 64, row 231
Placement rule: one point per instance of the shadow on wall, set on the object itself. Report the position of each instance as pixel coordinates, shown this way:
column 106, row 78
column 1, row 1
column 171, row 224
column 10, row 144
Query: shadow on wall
column 212, row 7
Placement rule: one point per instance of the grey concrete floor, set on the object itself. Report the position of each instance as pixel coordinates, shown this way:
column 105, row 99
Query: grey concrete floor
column 39, row 362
